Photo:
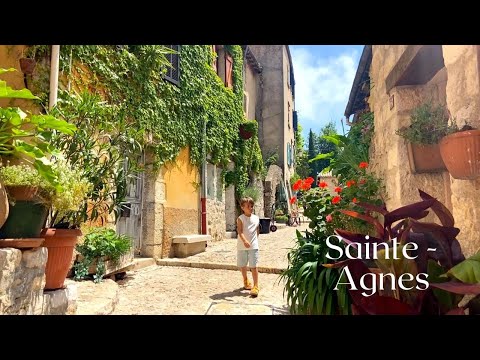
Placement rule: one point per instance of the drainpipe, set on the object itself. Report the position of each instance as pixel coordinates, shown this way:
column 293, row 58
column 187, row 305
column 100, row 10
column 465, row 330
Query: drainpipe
column 203, row 198
column 54, row 66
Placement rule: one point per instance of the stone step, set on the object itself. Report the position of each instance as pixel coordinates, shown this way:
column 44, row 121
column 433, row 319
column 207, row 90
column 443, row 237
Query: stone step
column 140, row 263
column 97, row 299
column 230, row 235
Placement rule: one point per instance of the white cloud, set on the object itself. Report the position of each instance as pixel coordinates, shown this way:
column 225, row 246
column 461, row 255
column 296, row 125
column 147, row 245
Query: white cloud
column 322, row 86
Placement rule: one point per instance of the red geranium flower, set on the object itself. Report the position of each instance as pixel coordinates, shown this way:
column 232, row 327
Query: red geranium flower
column 323, row 184
column 297, row 185
column 350, row 183
column 309, row 180
column 338, row 189
column 293, row 199
column 336, row 199
column 329, row 218
column 363, row 165
column 355, row 200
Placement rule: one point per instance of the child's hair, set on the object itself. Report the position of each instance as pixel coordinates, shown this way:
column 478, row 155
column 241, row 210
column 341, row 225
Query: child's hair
column 246, row 200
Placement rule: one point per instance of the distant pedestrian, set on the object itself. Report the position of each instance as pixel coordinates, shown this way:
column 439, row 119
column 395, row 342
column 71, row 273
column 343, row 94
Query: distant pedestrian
column 248, row 230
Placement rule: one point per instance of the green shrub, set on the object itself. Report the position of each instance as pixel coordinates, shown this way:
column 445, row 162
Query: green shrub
column 96, row 246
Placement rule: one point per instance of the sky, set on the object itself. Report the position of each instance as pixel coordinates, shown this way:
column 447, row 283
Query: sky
column 323, row 79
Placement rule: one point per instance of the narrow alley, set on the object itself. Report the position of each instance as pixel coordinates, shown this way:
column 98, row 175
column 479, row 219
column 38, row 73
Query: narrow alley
column 176, row 290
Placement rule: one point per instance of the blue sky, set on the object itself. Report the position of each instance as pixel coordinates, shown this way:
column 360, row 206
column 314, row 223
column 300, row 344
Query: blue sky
column 323, row 78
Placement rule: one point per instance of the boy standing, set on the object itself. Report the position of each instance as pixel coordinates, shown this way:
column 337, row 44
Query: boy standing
column 247, row 244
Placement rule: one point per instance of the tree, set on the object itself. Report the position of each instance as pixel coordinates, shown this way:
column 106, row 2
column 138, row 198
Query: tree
column 324, row 146
column 302, row 168
column 312, row 152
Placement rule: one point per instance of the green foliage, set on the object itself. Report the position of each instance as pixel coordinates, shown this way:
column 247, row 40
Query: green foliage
column 166, row 117
column 302, row 167
column 27, row 135
column 252, row 192
column 282, row 219
column 429, row 124
column 309, row 286
column 350, row 150
column 98, row 245
column 22, row 175
column 250, row 126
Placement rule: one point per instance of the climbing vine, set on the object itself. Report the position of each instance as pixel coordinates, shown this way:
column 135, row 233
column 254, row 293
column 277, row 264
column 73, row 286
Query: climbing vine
column 168, row 117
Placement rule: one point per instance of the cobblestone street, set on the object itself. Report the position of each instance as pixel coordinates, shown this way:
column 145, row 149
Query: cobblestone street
column 166, row 290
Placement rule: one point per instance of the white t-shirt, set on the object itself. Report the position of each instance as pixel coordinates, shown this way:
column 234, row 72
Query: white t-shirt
column 250, row 225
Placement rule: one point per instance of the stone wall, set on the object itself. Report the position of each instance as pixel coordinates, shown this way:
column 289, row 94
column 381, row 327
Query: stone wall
column 178, row 222
column 230, row 205
column 456, row 85
column 257, row 183
column 273, row 178
column 22, row 278
column 216, row 219
column 153, row 211
column 463, row 100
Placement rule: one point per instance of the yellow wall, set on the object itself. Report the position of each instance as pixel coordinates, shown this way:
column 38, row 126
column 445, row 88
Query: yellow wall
column 181, row 179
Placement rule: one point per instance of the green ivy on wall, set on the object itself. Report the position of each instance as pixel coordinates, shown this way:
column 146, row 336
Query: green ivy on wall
column 170, row 117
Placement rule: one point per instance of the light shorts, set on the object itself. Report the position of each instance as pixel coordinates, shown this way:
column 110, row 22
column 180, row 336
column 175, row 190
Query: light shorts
column 245, row 257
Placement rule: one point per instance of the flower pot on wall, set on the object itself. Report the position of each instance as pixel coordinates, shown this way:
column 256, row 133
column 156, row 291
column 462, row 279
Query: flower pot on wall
column 245, row 134
column 27, row 65
column 60, row 244
column 461, row 154
column 425, row 158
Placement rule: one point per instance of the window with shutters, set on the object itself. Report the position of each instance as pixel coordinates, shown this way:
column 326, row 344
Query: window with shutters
column 228, row 70
column 173, row 71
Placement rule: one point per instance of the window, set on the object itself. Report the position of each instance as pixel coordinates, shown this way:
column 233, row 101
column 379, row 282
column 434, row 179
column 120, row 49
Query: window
column 288, row 115
column 173, row 71
column 228, row 70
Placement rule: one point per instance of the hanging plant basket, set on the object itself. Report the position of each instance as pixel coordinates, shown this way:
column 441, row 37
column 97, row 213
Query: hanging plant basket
column 27, row 65
column 247, row 129
column 461, row 154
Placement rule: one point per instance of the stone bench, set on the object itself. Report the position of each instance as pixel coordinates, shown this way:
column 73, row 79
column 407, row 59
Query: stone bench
column 188, row 245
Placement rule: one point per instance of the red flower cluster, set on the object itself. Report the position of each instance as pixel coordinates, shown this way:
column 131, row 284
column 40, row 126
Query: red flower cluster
column 350, row 183
column 363, row 165
column 303, row 184
column 336, row 199
column 293, row 199
column 323, row 184
column 338, row 189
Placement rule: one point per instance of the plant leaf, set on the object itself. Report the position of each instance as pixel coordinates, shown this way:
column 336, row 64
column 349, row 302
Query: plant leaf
column 468, row 271
column 458, row 287
column 371, row 220
column 443, row 214
column 411, row 210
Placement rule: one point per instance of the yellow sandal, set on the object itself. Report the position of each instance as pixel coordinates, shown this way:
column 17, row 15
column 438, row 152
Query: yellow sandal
column 247, row 285
column 254, row 291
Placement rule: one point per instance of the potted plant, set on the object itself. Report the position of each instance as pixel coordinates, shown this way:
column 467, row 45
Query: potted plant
column 428, row 125
column 24, row 135
column 460, row 151
column 101, row 252
column 29, row 198
column 248, row 128
column 61, row 241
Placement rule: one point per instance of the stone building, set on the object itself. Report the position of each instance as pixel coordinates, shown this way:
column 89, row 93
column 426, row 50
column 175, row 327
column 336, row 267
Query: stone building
column 276, row 110
column 403, row 77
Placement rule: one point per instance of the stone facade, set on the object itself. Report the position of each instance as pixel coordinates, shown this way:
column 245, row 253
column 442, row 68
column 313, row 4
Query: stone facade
column 230, row 205
column 257, row 183
column 216, row 219
column 276, row 106
column 456, row 85
column 273, row 179
column 22, row 278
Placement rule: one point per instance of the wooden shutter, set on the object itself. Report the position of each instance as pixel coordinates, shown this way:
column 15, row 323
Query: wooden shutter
column 228, row 70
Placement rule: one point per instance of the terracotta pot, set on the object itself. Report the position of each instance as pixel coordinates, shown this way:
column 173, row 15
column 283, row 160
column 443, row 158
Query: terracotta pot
column 60, row 244
column 22, row 192
column 425, row 158
column 27, row 65
column 4, row 207
column 461, row 154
